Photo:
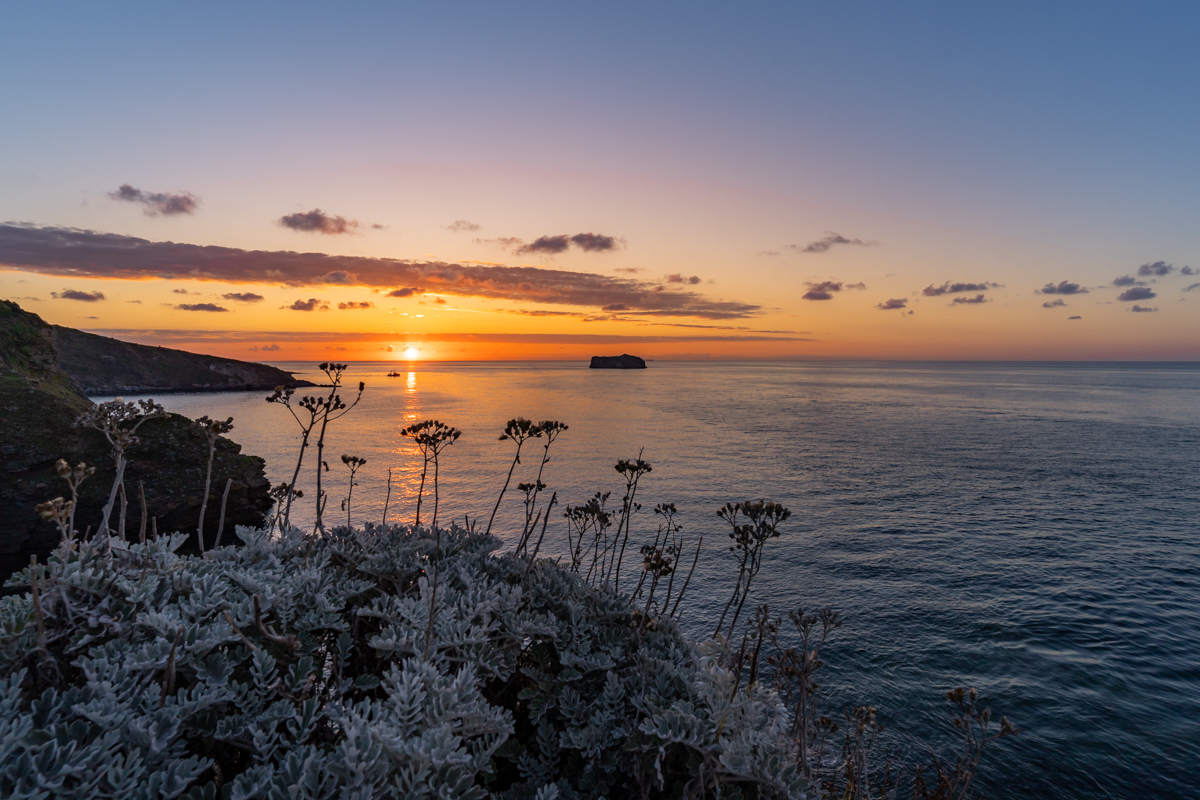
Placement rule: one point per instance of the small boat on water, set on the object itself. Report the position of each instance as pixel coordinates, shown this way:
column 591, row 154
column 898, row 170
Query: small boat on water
column 395, row 374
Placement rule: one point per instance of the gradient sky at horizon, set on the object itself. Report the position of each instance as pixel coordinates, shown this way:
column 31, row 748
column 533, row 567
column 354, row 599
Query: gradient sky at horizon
column 1002, row 147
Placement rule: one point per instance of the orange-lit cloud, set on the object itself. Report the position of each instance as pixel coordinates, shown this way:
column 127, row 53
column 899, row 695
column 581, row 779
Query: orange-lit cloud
column 79, row 253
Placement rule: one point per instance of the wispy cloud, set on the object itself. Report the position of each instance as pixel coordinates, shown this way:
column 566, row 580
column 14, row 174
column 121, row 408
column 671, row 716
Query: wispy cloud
column 75, row 294
column 956, row 288
column 676, row 277
column 408, row 291
column 828, row 242
column 243, row 297
column 893, row 304
column 311, row 304
column 503, row 242
column 1063, row 287
column 1057, row 303
column 75, row 253
column 355, row 304
column 1075, row 317
column 1192, row 287
column 180, row 291
column 266, row 347
column 463, row 226
column 343, row 337
column 1126, row 280
column 1142, row 309
column 317, row 221
column 1188, row 271
column 200, row 307
column 1136, row 293
column 970, row 301
column 1158, row 268
column 156, row 203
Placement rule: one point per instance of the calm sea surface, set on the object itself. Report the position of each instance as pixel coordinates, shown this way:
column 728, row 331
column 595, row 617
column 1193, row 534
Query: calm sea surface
column 1032, row 530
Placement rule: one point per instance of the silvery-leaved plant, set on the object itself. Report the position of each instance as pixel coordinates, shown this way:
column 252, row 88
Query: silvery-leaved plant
column 329, row 667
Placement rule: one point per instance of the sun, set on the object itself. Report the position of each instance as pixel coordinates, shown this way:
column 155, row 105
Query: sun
column 411, row 353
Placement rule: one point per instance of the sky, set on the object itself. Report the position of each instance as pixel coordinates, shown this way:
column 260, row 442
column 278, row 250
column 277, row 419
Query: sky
column 802, row 180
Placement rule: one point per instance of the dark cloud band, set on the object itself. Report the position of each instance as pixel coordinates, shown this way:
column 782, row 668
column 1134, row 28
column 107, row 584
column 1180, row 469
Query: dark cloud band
column 81, row 253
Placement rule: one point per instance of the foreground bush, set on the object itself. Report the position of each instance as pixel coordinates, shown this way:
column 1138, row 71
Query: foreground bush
column 300, row 667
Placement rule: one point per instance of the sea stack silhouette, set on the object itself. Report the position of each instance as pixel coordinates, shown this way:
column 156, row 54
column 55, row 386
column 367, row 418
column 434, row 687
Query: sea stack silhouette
column 623, row 361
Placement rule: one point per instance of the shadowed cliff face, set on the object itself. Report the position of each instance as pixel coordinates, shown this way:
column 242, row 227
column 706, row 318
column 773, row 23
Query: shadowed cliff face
column 38, row 408
column 101, row 365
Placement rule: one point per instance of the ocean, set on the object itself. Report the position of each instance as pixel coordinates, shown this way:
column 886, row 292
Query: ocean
column 1031, row 530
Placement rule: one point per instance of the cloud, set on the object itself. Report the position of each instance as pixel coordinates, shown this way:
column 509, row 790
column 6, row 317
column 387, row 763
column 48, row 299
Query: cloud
column 1075, row 317
column 1159, row 268
column 1126, row 280
column 272, row 347
column 178, row 337
column 552, row 245
column 339, row 276
column 1136, row 293
column 675, row 277
column 406, row 292
column 822, row 290
column 317, row 221
column 200, row 307
column 970, row 301
column 76, row 254
column 1190, row 288
column 1063, row 287
column 957, row 288
column 157, row 202
column 894, row 303
column 1057, row 303
column 356, row 304
column 1142, row 308
column 503, row 242
column 462, row 225
column 138, row 302
column 547, row 244
column 75, row 294
column 243, row 297
column 1188, row 271
column 830, row 240
column 859, row 285
column 594, row 242
column 181, row 291
column 311, row 304
column 616, row 307
column 441, row 301
column 629, row 270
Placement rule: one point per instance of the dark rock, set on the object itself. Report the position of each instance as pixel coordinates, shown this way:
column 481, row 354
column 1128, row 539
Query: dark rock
column 40, row 403
column 624, row 361
column 101, row 365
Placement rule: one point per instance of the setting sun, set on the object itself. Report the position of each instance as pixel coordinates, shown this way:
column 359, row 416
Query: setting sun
column 411, row 353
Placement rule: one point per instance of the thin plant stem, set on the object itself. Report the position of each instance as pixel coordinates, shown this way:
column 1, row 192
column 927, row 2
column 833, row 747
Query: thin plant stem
column 221, row 524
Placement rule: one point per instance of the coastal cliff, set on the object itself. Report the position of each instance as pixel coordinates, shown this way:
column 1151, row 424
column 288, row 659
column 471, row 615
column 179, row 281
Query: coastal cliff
column 39, row 403
column 101, row 365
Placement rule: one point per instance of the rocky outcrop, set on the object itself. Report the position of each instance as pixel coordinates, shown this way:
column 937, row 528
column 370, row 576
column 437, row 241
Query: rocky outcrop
column 39, row 404
column 624, row 361
column 101, row 365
